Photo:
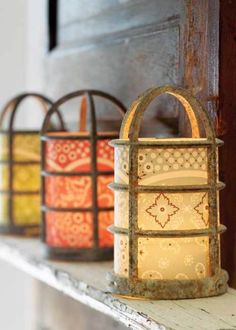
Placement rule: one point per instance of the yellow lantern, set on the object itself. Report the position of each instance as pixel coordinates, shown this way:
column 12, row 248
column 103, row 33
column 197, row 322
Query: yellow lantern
column 167, row 208
column 20, row 172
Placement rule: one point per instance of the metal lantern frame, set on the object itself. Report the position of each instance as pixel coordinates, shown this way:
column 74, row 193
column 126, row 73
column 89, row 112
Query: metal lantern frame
column 169, row 289
column 12, row 107
column 95, row 252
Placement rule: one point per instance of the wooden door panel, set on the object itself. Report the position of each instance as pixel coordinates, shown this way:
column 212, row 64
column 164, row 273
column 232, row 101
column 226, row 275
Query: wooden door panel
column 98, row 22
column 123, row 48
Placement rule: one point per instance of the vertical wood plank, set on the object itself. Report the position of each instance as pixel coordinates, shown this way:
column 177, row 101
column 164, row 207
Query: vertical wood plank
column 200, row 40
column 227, row 131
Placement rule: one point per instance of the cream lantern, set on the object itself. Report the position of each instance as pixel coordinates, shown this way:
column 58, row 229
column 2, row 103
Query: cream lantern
column 167, row 208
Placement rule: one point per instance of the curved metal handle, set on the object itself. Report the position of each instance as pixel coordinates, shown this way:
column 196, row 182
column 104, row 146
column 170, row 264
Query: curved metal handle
column 131, row 124
column 87, row 101
column 13, row 105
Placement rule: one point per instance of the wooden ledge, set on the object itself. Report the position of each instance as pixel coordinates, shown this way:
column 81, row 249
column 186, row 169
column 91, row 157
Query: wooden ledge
column 86, row 283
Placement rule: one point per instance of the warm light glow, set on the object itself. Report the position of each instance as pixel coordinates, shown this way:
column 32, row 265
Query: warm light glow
column 26, row 178
column 75, row 229
column 165, row 258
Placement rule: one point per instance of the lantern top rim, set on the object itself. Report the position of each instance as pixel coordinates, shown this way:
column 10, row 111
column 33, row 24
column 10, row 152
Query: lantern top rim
column 85, row 133
column 166, row 141
column 20, row 131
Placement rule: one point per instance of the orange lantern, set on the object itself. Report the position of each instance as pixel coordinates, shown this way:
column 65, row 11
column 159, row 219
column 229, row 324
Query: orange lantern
column 77, row 205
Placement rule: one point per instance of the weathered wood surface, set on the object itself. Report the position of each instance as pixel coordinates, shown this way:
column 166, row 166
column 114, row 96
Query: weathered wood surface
column 227, row 132
column 86, row 283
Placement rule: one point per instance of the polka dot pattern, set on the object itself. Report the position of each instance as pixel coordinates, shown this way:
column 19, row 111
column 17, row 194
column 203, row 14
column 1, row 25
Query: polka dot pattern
column 152, row 162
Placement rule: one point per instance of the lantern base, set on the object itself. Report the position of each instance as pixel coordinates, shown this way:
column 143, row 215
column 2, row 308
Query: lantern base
column 92, row 254
column 170, row 289
column 20, row 230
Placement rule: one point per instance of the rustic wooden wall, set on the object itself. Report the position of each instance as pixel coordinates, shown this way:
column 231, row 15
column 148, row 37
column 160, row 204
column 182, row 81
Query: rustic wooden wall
column 227, row 131
column 122, row 47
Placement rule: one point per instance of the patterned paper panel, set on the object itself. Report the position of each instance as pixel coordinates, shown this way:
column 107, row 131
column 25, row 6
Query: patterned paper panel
column 105, row 156
column 4, row 147
column 75, row 155
column 104, row 194
column 75, row 229
column 192, row 255
column 185, row 166
column 4, row 177
column 4, row 209
column 76, row 191
column 105, row 219
column 26, row 147
column 26, row 209
column 170, row 211
column 68, row 191
column 69, row 229
column 26, row 177
column 164, row 211
column 121, row 255
column 121, row 209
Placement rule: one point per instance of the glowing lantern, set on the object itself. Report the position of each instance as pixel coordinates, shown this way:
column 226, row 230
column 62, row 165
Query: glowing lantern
column 77, row 205
column 166, row 208
column 20, row 172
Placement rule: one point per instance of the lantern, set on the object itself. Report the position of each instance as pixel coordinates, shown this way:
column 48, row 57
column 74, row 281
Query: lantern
column 77, row 205
column 20, row 172
column 166, row 208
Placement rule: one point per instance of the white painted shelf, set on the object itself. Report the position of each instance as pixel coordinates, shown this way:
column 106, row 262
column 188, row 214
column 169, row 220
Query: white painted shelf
column 86, row 283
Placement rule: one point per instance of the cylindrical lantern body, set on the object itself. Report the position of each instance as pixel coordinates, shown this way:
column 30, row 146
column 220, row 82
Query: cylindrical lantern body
column 20, row 173
column 77, row 204
column 166, row 215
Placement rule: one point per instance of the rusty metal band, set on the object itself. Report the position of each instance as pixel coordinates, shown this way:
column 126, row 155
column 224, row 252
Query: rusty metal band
column 164, row 144
column 170, row 289
column 19, row 132
column 178, row 188
column 23, row 192
column 45, row 208
column 93, row 142
column 25, row 230
column 20, row 162
column 43, row 192
column 75, row 137
column 79, row 254
column 170, row 233
column 74, row 173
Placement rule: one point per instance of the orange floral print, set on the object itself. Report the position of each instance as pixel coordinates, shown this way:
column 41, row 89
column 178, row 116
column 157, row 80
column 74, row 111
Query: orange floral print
column 75, row 229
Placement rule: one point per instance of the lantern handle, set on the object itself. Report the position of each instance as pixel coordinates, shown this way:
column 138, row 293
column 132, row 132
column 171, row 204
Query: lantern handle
column 14, row 103
column 87, row 102
column 196, row 113
column 83, row 115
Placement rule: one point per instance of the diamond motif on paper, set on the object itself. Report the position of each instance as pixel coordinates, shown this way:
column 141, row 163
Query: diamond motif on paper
column 202, row 209
column 162, row 210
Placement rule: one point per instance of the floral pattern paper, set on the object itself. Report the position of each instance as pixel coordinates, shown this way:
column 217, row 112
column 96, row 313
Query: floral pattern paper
column 75, row 229
column 165, row 211
column 26, row 177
